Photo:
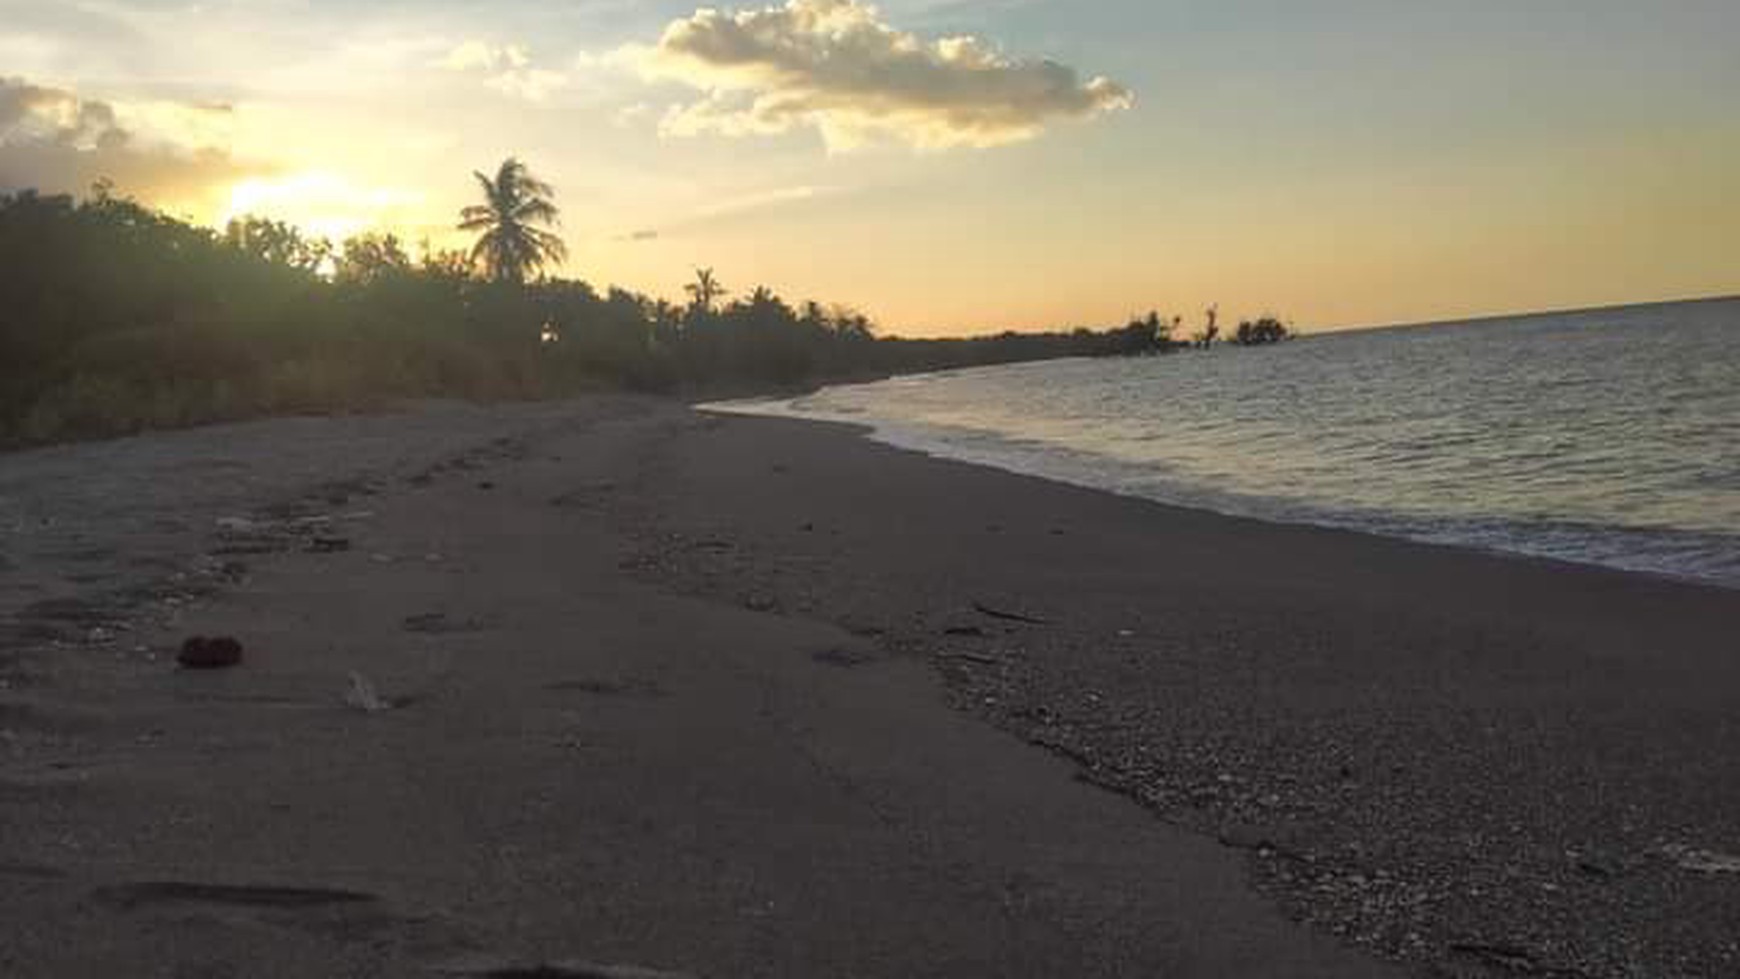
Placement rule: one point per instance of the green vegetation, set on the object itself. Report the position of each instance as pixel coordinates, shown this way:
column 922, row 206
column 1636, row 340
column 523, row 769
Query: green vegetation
column 115, row 318
column 1254, row 333
column 511, row 245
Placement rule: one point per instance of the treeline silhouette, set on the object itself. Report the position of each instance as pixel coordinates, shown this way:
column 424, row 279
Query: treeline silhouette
column 1255, row 333
column 116, row 318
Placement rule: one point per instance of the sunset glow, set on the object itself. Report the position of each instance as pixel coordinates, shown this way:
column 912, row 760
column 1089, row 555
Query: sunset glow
column 950, row 167
column 324, row 204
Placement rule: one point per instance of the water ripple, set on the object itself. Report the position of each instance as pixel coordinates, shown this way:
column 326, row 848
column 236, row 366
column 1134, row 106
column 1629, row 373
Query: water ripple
column 1609, row 437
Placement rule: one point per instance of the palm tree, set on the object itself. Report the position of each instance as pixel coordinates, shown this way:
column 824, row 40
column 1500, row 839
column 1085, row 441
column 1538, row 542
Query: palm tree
column 705, row 290
column 511, row 247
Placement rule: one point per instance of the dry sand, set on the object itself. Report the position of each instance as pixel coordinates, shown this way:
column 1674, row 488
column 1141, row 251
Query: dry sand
column 611, row 682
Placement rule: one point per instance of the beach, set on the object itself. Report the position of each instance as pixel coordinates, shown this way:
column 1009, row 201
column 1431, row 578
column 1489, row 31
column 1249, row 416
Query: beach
column 620, row 684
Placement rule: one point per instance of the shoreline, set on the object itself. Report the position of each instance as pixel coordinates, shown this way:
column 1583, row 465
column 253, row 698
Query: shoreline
column 1679, row 538
column 1461, row 761
column 870, row 433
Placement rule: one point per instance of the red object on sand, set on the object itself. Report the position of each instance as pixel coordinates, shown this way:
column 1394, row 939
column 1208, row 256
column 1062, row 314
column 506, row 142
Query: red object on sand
column 216, row 653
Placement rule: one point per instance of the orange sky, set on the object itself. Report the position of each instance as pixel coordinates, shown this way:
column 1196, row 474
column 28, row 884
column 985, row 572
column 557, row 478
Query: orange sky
column 946, row 166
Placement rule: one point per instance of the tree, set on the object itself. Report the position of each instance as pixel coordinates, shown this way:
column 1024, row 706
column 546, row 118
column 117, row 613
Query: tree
column 1205, row 337
column 852, row 325
column 445, row 264
column 511, row 246
column 270, row 241
column 1268, row 329
column 1143, row 335
column 705, row 290
column 372, row 257
column 764, row 300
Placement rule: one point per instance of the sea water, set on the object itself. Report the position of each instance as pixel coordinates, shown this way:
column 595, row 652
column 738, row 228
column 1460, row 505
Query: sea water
column 1607, row 437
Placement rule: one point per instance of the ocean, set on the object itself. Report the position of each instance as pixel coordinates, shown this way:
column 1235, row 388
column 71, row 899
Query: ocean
column 1607, row 437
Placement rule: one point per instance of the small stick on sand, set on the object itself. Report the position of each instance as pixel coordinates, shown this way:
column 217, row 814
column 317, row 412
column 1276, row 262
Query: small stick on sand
column 984, row 609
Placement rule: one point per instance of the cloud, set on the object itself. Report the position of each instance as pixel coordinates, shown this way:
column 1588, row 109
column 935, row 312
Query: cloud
column 836, row 66
column 761, row 199
column 34, row 113
column 506, row 68
column 482, row 56
column 630, row 114
column 53, row 140
column 731, row 207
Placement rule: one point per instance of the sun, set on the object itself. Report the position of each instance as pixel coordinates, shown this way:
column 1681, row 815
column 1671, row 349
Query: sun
column 324, row 204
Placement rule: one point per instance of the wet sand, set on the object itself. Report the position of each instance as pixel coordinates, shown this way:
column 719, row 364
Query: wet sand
column 674, row 691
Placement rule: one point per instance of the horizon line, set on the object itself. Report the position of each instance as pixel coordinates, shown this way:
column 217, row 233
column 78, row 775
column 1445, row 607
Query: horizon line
column 1529, row 314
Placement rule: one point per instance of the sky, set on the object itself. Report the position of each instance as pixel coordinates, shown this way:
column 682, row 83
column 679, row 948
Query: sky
column 947, row 166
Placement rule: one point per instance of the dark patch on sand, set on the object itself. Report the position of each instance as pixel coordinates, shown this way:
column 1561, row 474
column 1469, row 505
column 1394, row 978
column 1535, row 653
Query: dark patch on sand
column 488, row 968
column 30, row 871
column 439, row 623
column 128, row 897
column 30, row 717
column 844, row 658
column 641, row 689
column 585, row 497
column 81, row 612
column 85, row 555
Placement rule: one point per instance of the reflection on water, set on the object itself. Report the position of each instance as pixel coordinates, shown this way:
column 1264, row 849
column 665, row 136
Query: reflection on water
column 1609, row 437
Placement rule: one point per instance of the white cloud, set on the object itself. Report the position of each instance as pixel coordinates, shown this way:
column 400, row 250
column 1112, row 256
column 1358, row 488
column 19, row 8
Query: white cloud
column 630, row 114
column 531, row 84
column 836, row 66
column 762, row 199
column 481, row 56
column 54, row 140
column 507, row 68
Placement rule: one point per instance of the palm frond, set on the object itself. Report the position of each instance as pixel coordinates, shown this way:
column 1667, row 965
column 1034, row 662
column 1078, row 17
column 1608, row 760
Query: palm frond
column 531, row 186
column 509, row 246
column 538, row 210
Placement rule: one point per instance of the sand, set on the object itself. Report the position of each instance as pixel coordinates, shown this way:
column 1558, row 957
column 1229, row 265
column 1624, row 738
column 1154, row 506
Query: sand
column 613, row 683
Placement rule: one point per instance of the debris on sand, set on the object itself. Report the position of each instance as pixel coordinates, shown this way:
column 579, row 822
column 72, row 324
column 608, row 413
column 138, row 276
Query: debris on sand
column 362, row 695
column 276, row 535
column 995, row 613
column 1701, row 861
column 1258, row 837
column 215, row 653
column 983, row 659
column 1501, row 955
